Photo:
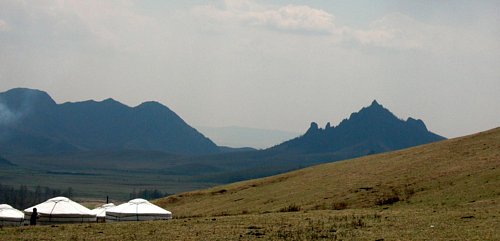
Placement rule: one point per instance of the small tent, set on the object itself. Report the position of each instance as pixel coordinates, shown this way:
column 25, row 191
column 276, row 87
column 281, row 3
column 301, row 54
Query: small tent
column 100, row 212
column 61, row 210
column 10, row 216
column 137, row 210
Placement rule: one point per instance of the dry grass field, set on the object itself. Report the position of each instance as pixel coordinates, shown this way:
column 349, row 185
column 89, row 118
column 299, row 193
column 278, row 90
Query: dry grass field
column 440, row 175
column 443, row 191
column 357, row 224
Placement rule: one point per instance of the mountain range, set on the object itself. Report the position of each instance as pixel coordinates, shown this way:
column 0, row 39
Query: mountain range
column 107, row 140
column 32, row 122
column 109, row 134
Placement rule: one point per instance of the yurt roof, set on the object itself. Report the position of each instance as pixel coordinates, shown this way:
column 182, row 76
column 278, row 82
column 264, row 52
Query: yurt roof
column 7, row 211
column 101, row 211
column 59, row 205
column 138, row 205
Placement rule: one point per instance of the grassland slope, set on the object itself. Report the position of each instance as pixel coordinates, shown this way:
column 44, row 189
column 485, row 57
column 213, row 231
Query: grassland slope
column 445, row 174
column 442, row 191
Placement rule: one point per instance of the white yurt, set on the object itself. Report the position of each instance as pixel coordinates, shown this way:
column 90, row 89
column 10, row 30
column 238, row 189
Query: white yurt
column 100, row 212
column 137, row 210
column 10, row 216
column 61, row 210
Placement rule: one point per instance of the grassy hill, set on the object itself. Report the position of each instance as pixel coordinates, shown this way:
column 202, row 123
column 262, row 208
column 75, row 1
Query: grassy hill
column 448, row 190
column 448, row 173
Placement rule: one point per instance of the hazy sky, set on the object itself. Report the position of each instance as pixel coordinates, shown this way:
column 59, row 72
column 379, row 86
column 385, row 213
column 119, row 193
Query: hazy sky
column 264, row 64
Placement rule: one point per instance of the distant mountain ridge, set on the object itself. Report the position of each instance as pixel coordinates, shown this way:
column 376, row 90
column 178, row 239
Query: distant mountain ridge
column 93, row 136
column 236, row 136
column 374, row 129
column 32, row 122
column 33, row 127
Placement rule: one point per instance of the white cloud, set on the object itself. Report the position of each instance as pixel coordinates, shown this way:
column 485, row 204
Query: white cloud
column 391, row 31
column 295, row 18
column 118, row 24
column 299, row 18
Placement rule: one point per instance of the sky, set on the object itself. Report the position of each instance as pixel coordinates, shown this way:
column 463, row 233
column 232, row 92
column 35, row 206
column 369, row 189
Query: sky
column 263, row 64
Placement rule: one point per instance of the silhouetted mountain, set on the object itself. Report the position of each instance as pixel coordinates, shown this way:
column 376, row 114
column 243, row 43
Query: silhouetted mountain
column 108, row 135
column 373, row 129
column 31, row 122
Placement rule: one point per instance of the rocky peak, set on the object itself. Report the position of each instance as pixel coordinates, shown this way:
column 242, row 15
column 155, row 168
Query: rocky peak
column 313, row 128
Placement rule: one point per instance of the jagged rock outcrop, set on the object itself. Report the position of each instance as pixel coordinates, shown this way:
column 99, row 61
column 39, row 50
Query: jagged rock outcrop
column 373, row 129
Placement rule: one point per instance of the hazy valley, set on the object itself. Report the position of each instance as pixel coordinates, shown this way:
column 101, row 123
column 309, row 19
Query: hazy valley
column 84, row 144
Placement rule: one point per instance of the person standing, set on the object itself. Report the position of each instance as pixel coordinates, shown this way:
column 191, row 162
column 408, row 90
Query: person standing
column 33, row 217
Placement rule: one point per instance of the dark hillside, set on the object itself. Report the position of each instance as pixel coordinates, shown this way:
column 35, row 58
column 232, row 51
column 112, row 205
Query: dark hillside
column 33, row 123
column 373, row 129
